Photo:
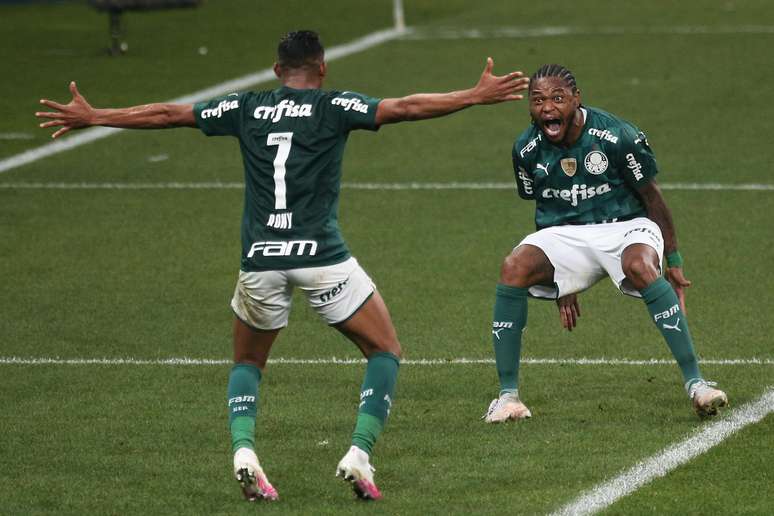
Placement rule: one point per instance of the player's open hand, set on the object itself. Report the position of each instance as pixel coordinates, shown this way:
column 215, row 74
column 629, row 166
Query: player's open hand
column 679, row 283
column 493, row 88
column 569, row 311
column 75, row 115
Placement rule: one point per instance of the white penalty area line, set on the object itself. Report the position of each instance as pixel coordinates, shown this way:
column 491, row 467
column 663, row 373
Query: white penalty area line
column 96, row 133
column 185, row 361
column 440, row 33
column 607, row 493
column 452, row 185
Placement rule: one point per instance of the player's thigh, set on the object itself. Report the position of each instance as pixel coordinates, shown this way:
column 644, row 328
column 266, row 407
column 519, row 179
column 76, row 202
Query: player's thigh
column 262, row 299
column 611, row 246
column 575, row 266
column 345, row 297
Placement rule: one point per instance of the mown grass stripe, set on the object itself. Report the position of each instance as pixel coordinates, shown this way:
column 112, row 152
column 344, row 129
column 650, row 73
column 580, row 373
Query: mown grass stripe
column 183, row 361
column 607, row 493
column 452, row 185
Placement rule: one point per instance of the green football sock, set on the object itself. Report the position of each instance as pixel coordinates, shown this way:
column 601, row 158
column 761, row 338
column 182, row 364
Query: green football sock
column 664, row 307
column 243, row 405
column 510, row 318
column 375, row 399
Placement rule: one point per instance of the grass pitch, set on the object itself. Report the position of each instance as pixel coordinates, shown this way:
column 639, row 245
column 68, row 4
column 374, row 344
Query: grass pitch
column 148, row 274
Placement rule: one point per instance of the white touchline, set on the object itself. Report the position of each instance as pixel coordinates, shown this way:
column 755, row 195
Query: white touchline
column 11, row 360
column 607, row 493
column 241, row 83
column 452, row 185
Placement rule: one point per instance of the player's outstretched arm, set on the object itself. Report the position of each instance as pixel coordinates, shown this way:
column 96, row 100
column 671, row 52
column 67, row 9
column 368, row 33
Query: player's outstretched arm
column 659, row 213
column 490, row 89
column 79, row 114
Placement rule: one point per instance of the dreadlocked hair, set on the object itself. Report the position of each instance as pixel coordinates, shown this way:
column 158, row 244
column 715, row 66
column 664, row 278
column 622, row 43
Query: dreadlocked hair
column 555, row 70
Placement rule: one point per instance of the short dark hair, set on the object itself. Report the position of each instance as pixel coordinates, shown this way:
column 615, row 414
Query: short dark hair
column 555, row 70
column 301, row 48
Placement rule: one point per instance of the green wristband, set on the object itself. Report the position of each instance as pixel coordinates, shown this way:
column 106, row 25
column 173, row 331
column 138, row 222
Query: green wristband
column 674, row 259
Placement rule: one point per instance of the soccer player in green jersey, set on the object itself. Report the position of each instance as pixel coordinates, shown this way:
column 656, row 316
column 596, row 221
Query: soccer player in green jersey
column 599, row 212
column 292, row 141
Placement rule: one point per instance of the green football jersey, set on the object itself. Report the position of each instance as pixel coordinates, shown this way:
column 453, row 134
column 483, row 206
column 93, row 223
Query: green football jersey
column 292, row 144
column 594, row 180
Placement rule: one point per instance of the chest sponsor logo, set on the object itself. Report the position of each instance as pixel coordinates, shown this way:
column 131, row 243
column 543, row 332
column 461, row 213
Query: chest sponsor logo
column 569, row 166
column 283, row 248
column 531, row 145
column 603, row 135
column 596, row 162
column 576, row 193
column 286, row 108
column 222, row 107
column 351, row 103
column 634, row 165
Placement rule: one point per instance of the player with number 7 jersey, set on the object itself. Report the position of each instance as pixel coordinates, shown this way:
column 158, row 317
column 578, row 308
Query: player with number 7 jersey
column 292, row 142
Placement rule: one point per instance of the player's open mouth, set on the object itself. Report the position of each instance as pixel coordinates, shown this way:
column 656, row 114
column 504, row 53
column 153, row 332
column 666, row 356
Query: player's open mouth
column 552, row 127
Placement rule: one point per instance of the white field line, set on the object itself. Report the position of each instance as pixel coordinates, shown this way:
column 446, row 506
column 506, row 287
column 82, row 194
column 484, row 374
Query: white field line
column 607, row 493
column 183, row 361
column 434, row 33
column 241, row 83
column 453, row 185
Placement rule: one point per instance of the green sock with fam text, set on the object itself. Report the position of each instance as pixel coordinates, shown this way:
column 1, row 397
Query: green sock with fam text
column 243, row 405
column 664, row 308
column 510, row 318
column 375, row 399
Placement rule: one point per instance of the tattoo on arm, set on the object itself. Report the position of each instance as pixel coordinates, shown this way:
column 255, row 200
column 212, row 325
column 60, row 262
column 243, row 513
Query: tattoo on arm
column 659, row 213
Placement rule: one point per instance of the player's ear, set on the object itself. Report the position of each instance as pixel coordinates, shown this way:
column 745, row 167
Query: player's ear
column 323, row 69
column 277, row 70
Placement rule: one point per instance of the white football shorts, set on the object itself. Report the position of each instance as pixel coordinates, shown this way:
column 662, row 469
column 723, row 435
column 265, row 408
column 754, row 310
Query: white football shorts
column 584, row 254
column 262, row 299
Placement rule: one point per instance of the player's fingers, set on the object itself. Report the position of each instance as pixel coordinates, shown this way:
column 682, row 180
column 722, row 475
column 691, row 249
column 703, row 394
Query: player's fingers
column 60, row 132
column 576, row 307
column 47, row 114
column 52, row 104
column 681, row 298
column 52, row 123
column 74, row 89
column 513, row 97
column 489, row 66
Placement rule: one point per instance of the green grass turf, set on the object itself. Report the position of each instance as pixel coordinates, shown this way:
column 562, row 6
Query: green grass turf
column 149, row 273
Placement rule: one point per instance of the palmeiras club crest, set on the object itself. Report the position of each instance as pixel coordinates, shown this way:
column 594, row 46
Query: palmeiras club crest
column 596, row 162
column 569, row 166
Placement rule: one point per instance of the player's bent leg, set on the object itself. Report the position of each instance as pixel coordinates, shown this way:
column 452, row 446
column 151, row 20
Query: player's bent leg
column 640, row 264
column 527, row 265
column 251, row 351
column 371, row 329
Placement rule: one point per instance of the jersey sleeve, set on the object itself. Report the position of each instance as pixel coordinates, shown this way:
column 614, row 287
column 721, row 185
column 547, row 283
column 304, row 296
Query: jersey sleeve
column 354, row 110
column 524, row 179
column 637, row 159
column 221, row 116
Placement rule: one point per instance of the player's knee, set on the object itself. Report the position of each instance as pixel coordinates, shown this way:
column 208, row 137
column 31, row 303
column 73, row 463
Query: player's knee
column 640, row 271
column 386, row 346
column 516, row 271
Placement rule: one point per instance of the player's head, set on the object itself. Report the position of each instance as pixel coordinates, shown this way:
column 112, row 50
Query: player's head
column 300, row 51
column 554, row 98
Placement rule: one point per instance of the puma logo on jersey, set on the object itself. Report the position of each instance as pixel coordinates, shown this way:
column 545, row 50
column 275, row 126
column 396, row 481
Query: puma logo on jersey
column 670, row 327
column 280, row 220
column 542, row 167
column 351, row 103
column 284, row 108
column 222, row 107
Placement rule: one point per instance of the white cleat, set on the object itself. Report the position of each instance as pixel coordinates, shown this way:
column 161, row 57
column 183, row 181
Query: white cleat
column 355, row 468
column 505, row 408
column 706, row 399
column 251, row 478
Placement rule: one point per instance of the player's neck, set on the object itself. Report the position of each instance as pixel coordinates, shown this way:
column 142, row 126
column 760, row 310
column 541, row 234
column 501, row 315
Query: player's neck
column 302, row 81
column 576, row 128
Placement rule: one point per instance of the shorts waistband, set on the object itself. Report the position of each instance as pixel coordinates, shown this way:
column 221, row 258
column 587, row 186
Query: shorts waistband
column 606, row 221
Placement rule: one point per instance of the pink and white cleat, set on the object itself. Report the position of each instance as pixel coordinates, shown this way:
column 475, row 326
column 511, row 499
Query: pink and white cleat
column 706, row 398
column 251, row 478
column 508, row 407
column 355, row 468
